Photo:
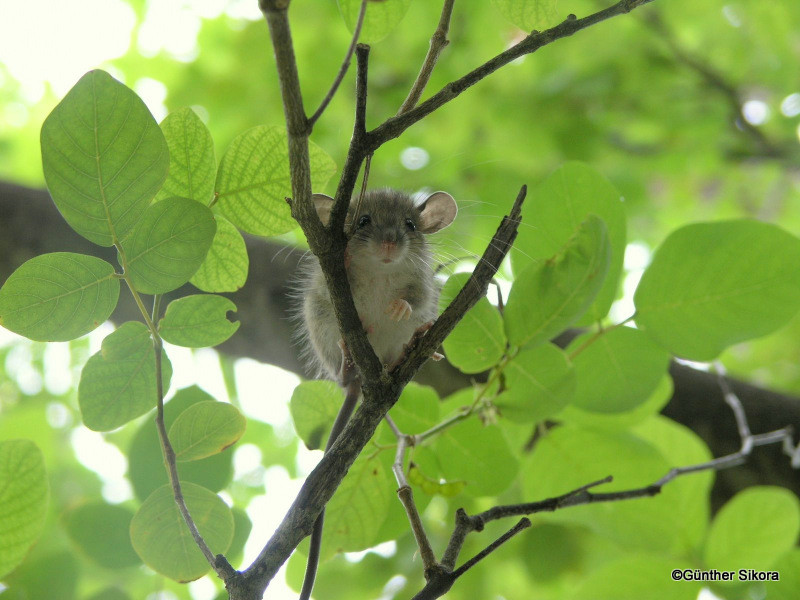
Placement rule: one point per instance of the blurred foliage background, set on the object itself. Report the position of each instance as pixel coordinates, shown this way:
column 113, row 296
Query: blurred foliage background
column 691, row 109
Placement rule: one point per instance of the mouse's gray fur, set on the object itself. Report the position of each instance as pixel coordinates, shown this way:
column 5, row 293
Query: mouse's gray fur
column 390, row 274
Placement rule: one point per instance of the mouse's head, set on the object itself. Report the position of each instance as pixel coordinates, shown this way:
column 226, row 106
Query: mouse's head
column 389, row 225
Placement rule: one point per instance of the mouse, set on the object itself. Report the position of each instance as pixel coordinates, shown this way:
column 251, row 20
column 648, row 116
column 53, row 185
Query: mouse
column 389, row 267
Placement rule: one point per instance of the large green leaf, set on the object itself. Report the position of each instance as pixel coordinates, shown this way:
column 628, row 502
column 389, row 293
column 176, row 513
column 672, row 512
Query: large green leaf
column 753, row 529
column 314, row 406
column 381, row 18
column 417, row 409
column 162, row 539
column 528, row 14
column 225, row 266
column 118, row 383
column 100, row 530
column 58, row 297
column 198, row 321
column 788, row 587
column 636, row 577
column 550, row 295
column 477, row 454
column 146, row 463
column 23, row 500
column 168, row 245
column 104, row 158
column 557, row 207
column 539, row 383
column 617, row 370
column 711, row 285
column 624, row 420
column 206, row 428
column 192, row 166
column 358, row 508
column 478, row 341
column 253, row 180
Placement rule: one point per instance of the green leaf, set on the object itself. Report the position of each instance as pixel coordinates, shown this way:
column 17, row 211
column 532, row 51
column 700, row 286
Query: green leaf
column 617, row 370
column 539, row 383
column 314, row 406
column 550, row 295
column 104, row 158
column 434, row 487
column 163, row 541
column 624, row 420
column 58, row 297
column 788, row 588
column 358, row 508
column 635, row 577
column 118, row 383
column 225, row 266
column 478, row 341
column 753, row 529
column 557, row 207
column 23, row 500
column 417, row 409
column 253, row 180
column 381, row 18
column 528, row 14
column 192, row 166
column 206, row 428
column 100, row 530
column 146, row 464
column 198, row 321
column 168, row 245
column 711, row 285
column 477, row 454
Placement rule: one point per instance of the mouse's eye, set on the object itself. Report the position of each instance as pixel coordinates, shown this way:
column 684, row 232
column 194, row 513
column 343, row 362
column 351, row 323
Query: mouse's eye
column 364, row 220
column 410, row 224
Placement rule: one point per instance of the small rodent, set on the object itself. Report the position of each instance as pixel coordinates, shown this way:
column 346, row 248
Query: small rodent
column 388, row 264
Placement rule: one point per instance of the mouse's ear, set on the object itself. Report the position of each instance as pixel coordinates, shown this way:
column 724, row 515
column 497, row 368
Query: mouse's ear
column 323, row 204
column 437, row 212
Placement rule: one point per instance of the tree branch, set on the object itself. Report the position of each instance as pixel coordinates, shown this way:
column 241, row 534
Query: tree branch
column 443, row 576
column 438, row 43
column 343, row 69
column 393, row 127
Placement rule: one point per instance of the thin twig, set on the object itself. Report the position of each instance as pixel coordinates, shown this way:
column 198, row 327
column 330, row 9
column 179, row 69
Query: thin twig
column 438, row 43
column 393, row 127
column 523, row 523
column 343, row 69
column 360, row 201
column 219, row 563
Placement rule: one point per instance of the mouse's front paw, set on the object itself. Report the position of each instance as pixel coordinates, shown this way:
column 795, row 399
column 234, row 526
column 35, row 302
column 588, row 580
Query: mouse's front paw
column 399, row 309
